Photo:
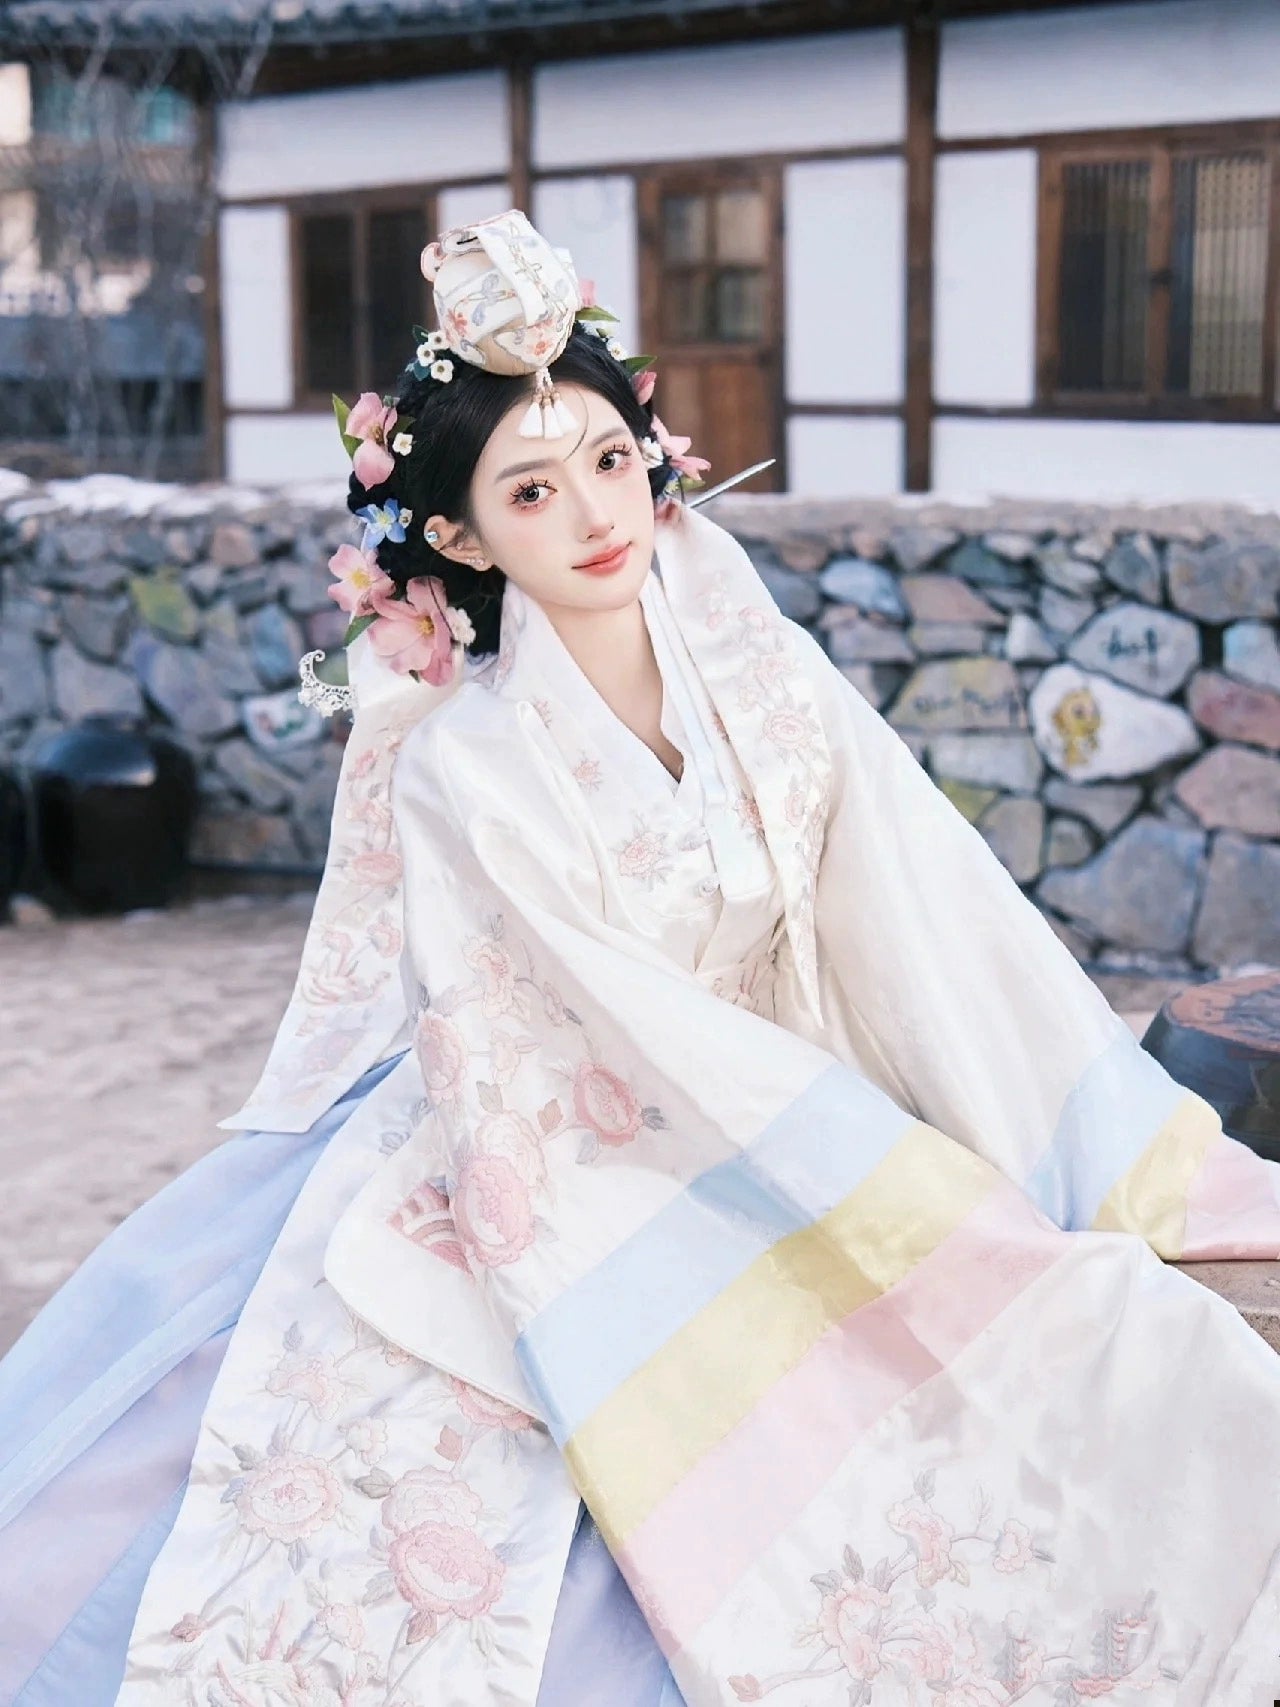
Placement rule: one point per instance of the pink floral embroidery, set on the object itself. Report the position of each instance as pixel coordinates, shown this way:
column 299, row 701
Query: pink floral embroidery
column 930, row 1537
column 288, row 1497
column 788, row 729
column 429, row 1496
column 492, row 1211
column 498, row 976
column 606, row 1104
column 379, row 867
column 385, row 936
column 367, row 1438
column 488, row 1412
column 884, row 1630
column 442, row 1055
column 344, row 1624
column 588, row 774
column 426, row 1220
column 311, row 1380
column 189, row 1628
column 645, row 856
column 509, row 1135
column 441, row 1568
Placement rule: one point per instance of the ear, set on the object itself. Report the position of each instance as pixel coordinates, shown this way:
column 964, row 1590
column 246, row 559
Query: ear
column 455, row 543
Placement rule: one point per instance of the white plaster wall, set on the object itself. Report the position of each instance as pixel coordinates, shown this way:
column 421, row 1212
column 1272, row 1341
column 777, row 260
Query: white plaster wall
column 257, row 339
column 594, row 218
column 472, row 202
column 265, row 450
column 845, row 296
column 1143, row 63
column 1156, row 462
column 854, row 457
column 678, row 103
column 424, row 130
column 984, row 315
column 15, row 105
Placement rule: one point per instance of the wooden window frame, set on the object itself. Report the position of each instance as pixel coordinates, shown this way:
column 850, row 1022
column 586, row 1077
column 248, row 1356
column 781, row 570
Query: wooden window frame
column 359, row 204
column 1158, row 149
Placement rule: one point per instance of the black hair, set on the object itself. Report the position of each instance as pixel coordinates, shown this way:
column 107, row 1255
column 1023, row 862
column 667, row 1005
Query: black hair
column 452, row 423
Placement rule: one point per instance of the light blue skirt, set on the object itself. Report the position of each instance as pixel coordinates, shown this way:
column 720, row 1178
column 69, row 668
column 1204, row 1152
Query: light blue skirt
column 100, row 1404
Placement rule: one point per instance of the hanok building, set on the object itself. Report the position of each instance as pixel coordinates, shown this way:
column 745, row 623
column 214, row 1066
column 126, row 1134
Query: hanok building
column 968, row 246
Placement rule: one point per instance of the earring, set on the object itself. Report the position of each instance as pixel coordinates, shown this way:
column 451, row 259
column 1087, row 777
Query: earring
column 431, row 536
column 478, row 560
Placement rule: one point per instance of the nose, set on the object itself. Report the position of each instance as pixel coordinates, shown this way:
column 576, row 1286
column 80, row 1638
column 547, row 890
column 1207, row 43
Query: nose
column 594, row 519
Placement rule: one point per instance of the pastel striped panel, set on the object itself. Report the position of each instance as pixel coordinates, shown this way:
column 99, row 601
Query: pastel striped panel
column 796, row 1440
column 653, row 1429
column 1233, row 1208
column 1151, row 1198
column 798, row 1169
column 1121, row 1100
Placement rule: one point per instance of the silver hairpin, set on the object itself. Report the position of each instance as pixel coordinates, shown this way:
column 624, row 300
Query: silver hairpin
column 324, row 697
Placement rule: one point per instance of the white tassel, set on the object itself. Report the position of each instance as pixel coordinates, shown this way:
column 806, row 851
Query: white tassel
column 547, row 417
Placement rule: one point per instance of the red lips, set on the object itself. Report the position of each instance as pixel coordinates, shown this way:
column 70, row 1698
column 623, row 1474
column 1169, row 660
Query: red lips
column 607, row 562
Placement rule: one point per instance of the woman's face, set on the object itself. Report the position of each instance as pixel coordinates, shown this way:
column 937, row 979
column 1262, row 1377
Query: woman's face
column 546, row 508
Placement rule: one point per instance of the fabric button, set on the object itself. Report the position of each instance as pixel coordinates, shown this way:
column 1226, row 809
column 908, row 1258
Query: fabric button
column 695, row 838
column 708, row 885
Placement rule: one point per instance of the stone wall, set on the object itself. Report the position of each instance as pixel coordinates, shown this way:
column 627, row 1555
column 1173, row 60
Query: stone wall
column 1099, row 691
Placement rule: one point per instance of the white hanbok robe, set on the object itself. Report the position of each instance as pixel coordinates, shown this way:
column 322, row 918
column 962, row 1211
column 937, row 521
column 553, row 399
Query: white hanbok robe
column 765, row 1174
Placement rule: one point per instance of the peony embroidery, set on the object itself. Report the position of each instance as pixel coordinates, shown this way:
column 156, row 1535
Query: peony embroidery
column 492, row 1211
column 288, row 1498
column 429, row 1496
column 510, row 1136
column 442, row 1055
column 606, row 1104
column 486, row 1411
column 441, row 1568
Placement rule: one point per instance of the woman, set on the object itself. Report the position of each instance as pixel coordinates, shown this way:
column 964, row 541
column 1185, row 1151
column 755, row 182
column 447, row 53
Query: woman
column 764, row 1173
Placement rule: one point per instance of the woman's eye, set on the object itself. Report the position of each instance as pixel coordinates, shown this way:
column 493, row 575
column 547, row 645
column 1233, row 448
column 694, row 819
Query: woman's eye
column 534, row 487
column 616, row 455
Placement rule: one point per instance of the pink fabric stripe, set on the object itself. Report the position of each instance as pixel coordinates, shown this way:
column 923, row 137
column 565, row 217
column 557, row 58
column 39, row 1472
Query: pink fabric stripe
column 1233, row 1207
column 746, row 1490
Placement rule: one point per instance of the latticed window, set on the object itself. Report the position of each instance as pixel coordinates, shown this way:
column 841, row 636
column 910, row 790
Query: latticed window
column 1156, row 278
column 714, row 245
column 360, row 292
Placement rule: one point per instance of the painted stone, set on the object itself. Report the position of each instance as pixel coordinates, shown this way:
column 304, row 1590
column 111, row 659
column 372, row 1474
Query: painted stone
column 917, row 547
column 1235, row 711
column 946, row 639
column 943, row 598
column 1139, row 892
column 1218, row 583
column 1068, row 573
column 853, row 581
column 1011, row 763
column 275, row 644
column 1089, row 727
column 1134, row 567
column 865, row 642
column 82, row 688
column 165, row 605
column 967, row 798
column 1026, row 642
column 1234, row 788
column 1144, row 648
column 961, row 693
column 1062, row 614
column 1069, row 842
column 1014, row 831
column 1251, row 651
column 973, row 562
column 251, row 775
column 1239, row 922
column 1105, row 805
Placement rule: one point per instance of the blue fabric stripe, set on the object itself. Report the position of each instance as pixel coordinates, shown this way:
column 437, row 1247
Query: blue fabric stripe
column 588, row 1340
column 1114, row 1110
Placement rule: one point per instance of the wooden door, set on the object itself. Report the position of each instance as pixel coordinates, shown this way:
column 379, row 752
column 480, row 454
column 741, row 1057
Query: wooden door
column 711, row 311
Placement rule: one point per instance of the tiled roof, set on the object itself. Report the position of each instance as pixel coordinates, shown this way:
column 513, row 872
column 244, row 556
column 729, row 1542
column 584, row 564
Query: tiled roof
column 72, row 21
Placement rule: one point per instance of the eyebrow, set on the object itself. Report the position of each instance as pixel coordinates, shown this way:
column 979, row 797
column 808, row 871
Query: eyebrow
column 542, row 461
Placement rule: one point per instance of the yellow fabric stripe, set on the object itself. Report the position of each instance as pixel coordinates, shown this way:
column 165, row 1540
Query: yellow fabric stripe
column 1151, row 1198
column 651, row 1431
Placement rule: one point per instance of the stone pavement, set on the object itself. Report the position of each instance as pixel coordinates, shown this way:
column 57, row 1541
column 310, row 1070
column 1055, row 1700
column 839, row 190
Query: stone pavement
column 122, row 1042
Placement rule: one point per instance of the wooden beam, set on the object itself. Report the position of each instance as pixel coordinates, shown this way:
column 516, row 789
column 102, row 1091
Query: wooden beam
column 213, row 402
column 520, row 134
column 921, row 151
